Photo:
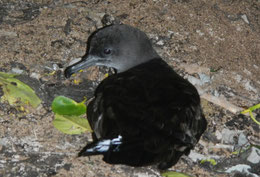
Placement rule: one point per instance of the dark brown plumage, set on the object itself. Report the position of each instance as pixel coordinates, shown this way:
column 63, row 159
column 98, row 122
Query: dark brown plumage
column 145, row 113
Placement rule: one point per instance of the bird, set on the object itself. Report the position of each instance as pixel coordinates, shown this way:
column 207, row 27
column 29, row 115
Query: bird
column 145, row 113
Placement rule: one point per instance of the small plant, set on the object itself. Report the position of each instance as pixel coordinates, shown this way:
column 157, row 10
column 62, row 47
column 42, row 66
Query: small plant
column 68, row 116
column 249, row 110
column 17, row 93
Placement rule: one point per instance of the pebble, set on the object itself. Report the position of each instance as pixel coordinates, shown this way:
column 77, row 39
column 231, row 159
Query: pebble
column 55, row 67
column 249, row 87
column 254, row 156
column 229, row 135
column 35, row 75
column 216, row 93
column 17, row 71
column 243, row 168
column 160, row 42
column 242, row 140
column 96, row 18
column 218, row 135
column 238, row 77
column 194, row 80
column 244, row 17
column 4, row 141
column 196, row 156
column 204, row 78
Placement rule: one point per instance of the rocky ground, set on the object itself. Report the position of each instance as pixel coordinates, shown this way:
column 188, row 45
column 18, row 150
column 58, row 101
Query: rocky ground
column 215, row 44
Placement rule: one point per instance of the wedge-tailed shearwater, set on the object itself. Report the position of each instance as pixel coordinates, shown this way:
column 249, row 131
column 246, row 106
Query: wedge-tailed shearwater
column 145, row 113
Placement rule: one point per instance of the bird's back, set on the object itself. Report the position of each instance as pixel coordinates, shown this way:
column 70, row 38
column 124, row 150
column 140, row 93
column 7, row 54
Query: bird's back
column 155, row 111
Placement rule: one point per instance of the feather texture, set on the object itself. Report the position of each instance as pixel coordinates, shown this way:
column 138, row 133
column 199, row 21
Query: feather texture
column 156, row 112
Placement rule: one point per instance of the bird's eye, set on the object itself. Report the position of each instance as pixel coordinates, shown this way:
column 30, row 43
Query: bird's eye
column 107, row 51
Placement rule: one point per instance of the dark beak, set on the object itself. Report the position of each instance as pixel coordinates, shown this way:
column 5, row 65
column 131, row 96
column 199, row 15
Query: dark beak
column 85, row 62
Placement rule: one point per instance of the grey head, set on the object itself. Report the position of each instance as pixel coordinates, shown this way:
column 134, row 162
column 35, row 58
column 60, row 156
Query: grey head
column 117, row 46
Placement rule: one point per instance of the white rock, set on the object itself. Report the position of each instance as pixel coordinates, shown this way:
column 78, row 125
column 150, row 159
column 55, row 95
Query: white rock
column 3, row 161
column 249, row 87
column 238, row 77
column 228, row 135
column 238, row 28
column 170, row 32
column 55, row 67
column 218, row 135
column 244, row 17
column 242, row 140
column 204, row 78
column 194, row 156
column 254, row 156
column 35, row 75
column 255, row 66
column 160, row 42
column 247, row 72
column 4, row 141
column 17, row 71
column 194, row 80
column 216, row 93
column 243, row 168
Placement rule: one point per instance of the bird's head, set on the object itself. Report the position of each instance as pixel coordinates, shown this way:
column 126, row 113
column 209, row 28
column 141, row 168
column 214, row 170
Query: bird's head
column 117, row 46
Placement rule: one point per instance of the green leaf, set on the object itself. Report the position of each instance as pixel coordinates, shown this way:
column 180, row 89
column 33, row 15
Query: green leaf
column 16, row 92
column 66, row 106
column 67, row 118
column 211, row 161
column 7, row 75
column 71, row 124
column 249, row 110
column 174, row 174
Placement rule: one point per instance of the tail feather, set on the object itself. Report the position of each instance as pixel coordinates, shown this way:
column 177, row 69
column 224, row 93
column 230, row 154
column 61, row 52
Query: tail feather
column 102, row 147
column 120, row 151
